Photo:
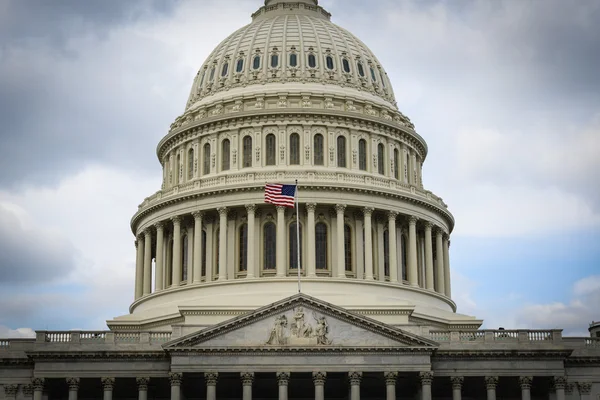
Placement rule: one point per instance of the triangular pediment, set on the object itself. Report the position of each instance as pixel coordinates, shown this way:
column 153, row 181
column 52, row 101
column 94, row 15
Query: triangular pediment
column 300, row 321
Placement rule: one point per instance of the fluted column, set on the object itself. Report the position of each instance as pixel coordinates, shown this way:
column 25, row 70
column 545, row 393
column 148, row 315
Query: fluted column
column 559, row 383
column 10, row 392
column 281, row 265
column 107, row 387
column 319, row 381
column 190, row 255
column 175, row 379
column 341, row 255
column 197, row 246
column 585, row 390
column 429, row 284
column 310, row 235
column 355, row 378
column 439, row 262
column 457, row 382
column 490, row 384
column 147, row 261
column 283, row 378
column 247, row 380
column 142, row 384
column 176, row 264
column 413, row 277
column 390, row 385
column 159, row 262
column 211, row 385
column 139, row 266
column 426, row 379
column 73, row 384
column 251, row 266
column 369, row 274
column 38, row 388
column 525, row 383
column 392, row 246
column 222, row 268
column 447, row 282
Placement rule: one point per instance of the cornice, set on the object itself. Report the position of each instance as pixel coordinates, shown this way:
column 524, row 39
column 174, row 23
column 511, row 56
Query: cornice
column 292, row 351
column 467, row 354
column 577, row 360
column 98, row 355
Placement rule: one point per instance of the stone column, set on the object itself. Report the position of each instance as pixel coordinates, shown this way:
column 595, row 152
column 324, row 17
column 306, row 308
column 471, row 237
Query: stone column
column 428, row 258
column 107, row 386
column 38, row 388
column 176, row 264
column 211, row 385
column 197, row 246
column 159, row 263
column 525, row 383
column 310, row 236
column 281, row 265
column 490, row 384
column 559, row 383
column 392, row 246
column 355, row 378
column 175, row 379
column 447, row 265
column 222, row 268
column 147, row 262
column 341, row 255
column 369, row 274
column 139, row 267
column 247, row 380
column 426, row 379
column 413, row 277
column 142, row 384
column 283, row 379
column 73, row 387
column 251, row 210
column 359, row 250
column 439, row 262
column 390, row 385
column 457, row 382
column 319, row 380
column 10, row 392
column 190, row 255
column 585, row 390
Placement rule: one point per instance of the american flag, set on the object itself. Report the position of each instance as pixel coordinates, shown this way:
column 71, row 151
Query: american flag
column 280, row 195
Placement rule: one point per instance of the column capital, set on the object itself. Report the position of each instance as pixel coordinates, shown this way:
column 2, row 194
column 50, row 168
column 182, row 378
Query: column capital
column 525, row 382
column 311, row 207
column 73, row 383
column 148, row 232
column 392, row 215
column 280, row 209
column 368, row 211
column 11, row 390
column 211, row 378
column 412, row 220
column 139, row 238
column 439, row 231
column 491, row 382
column 319, row 377
column 355, row 377
column 37, row 383
column 107, row 383
column 428, row 226
column 175, row 378
column 569, row 388
column 426, row 377
column 390, row 377
column 340, row 208
column 247, row 378
column 197, row 215
column 559, row 382
column 176, row 220
column 142, row 382
column 283, row 378
column 250, row 208
column 222, row 211
column 28, row 390
column 457, row 382
column 584, row 387
column 159, row 225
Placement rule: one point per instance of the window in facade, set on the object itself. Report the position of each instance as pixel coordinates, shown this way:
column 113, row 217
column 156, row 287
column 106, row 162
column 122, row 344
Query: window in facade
column 247, row 153
column 361, row 69
column 217, row 240
column 380, row 159
column 225, row 154
column 404, row 258
column 373, row 75
column 190, row 172
column 348, row 247
column 212, row 74
column 184, row 257
column 256, row 62
column 240, row 65
column 177, row 169
column 293, row 249
column 406, row 167
column 270, row 246
column 321, row 246
column 243, row 248
column 293, row 60
column 225, row 69
column 312, row 61
column 271, row 149
column 362, row 154
column 346, row 65
column 206, row 161
column 318, row 156
column 294, row 149
column 386, row 253
column 341, row 151
column 382, row 78
column 274, row 60
column 203, row 264
column 329, row 62
column 202, row 78
column 396, row 162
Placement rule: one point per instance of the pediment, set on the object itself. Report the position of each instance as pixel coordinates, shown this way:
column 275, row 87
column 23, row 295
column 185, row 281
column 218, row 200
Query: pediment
column 304, row 322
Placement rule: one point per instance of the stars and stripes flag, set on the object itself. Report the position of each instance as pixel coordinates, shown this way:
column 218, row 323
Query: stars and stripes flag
column 280, row 195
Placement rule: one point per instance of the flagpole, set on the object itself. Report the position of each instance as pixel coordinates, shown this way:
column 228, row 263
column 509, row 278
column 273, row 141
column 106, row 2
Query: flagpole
column 298, row 236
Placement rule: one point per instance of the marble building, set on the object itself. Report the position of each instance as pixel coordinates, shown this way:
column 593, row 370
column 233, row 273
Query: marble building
column 216, row 311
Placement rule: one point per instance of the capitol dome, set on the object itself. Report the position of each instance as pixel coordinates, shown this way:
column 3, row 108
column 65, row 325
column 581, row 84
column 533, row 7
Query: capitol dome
column 289, row 98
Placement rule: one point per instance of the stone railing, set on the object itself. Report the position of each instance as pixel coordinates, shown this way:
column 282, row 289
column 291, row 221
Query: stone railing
column 500, row 335
column 111, row 337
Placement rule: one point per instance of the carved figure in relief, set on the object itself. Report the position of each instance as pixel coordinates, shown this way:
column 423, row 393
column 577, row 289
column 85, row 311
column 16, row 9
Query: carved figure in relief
column 299, row 327
column 278, row 336
column 321, row 330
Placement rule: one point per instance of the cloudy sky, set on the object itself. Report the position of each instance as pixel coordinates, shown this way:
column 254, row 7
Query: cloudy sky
column 506, row 93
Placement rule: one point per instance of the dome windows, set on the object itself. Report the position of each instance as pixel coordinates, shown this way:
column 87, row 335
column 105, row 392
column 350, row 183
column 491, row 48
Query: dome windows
column 225, row 69
column 321, row 246
column 312, row 61
column 380, row 159
column 271, row 148
column 341, row 152
column 329, row 62
column 225, row 152
column 206, row 160
column 362, row 154
column 239, row 67
column 346, row 65
column 247, row 153
column 256, row 62
column 293, row 245
column 373, row 75
column 294, row 149
column 274, row 60
column 293, row 60
column 318, row 150
column 212, row 74
column 270, row 246
column 361, row 69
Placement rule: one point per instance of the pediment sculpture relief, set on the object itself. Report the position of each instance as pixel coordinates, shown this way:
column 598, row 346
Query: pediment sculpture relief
column 299, row 332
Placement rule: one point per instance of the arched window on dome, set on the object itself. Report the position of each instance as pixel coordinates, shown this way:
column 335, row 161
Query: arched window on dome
column 293, row 246
column 381, row 75
column 329, row 62
column 202, row 79
column 321, row 246
column 225, row 69
column 274, row 60
column 243, row 248
column 177, row 169
column 361, row 69
column 373, row 76
column 294, row 149
column 190, row 172
column 312, row 61
column 225, row 154
column 206, row 160
column 184, row 257
column 346, row 65
column 240, row 65
column 318, row 156
column 270, row 246
column 348, row 247
column 203, row 262
column 406, row 162
column 247, row 152
column 341, row 151
column 256, row 62
column 386, row 253
column 380, row 159
column 293, row 60
column 271, row 149
column 396, row 164
column 212, row 74
column 362, row 154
